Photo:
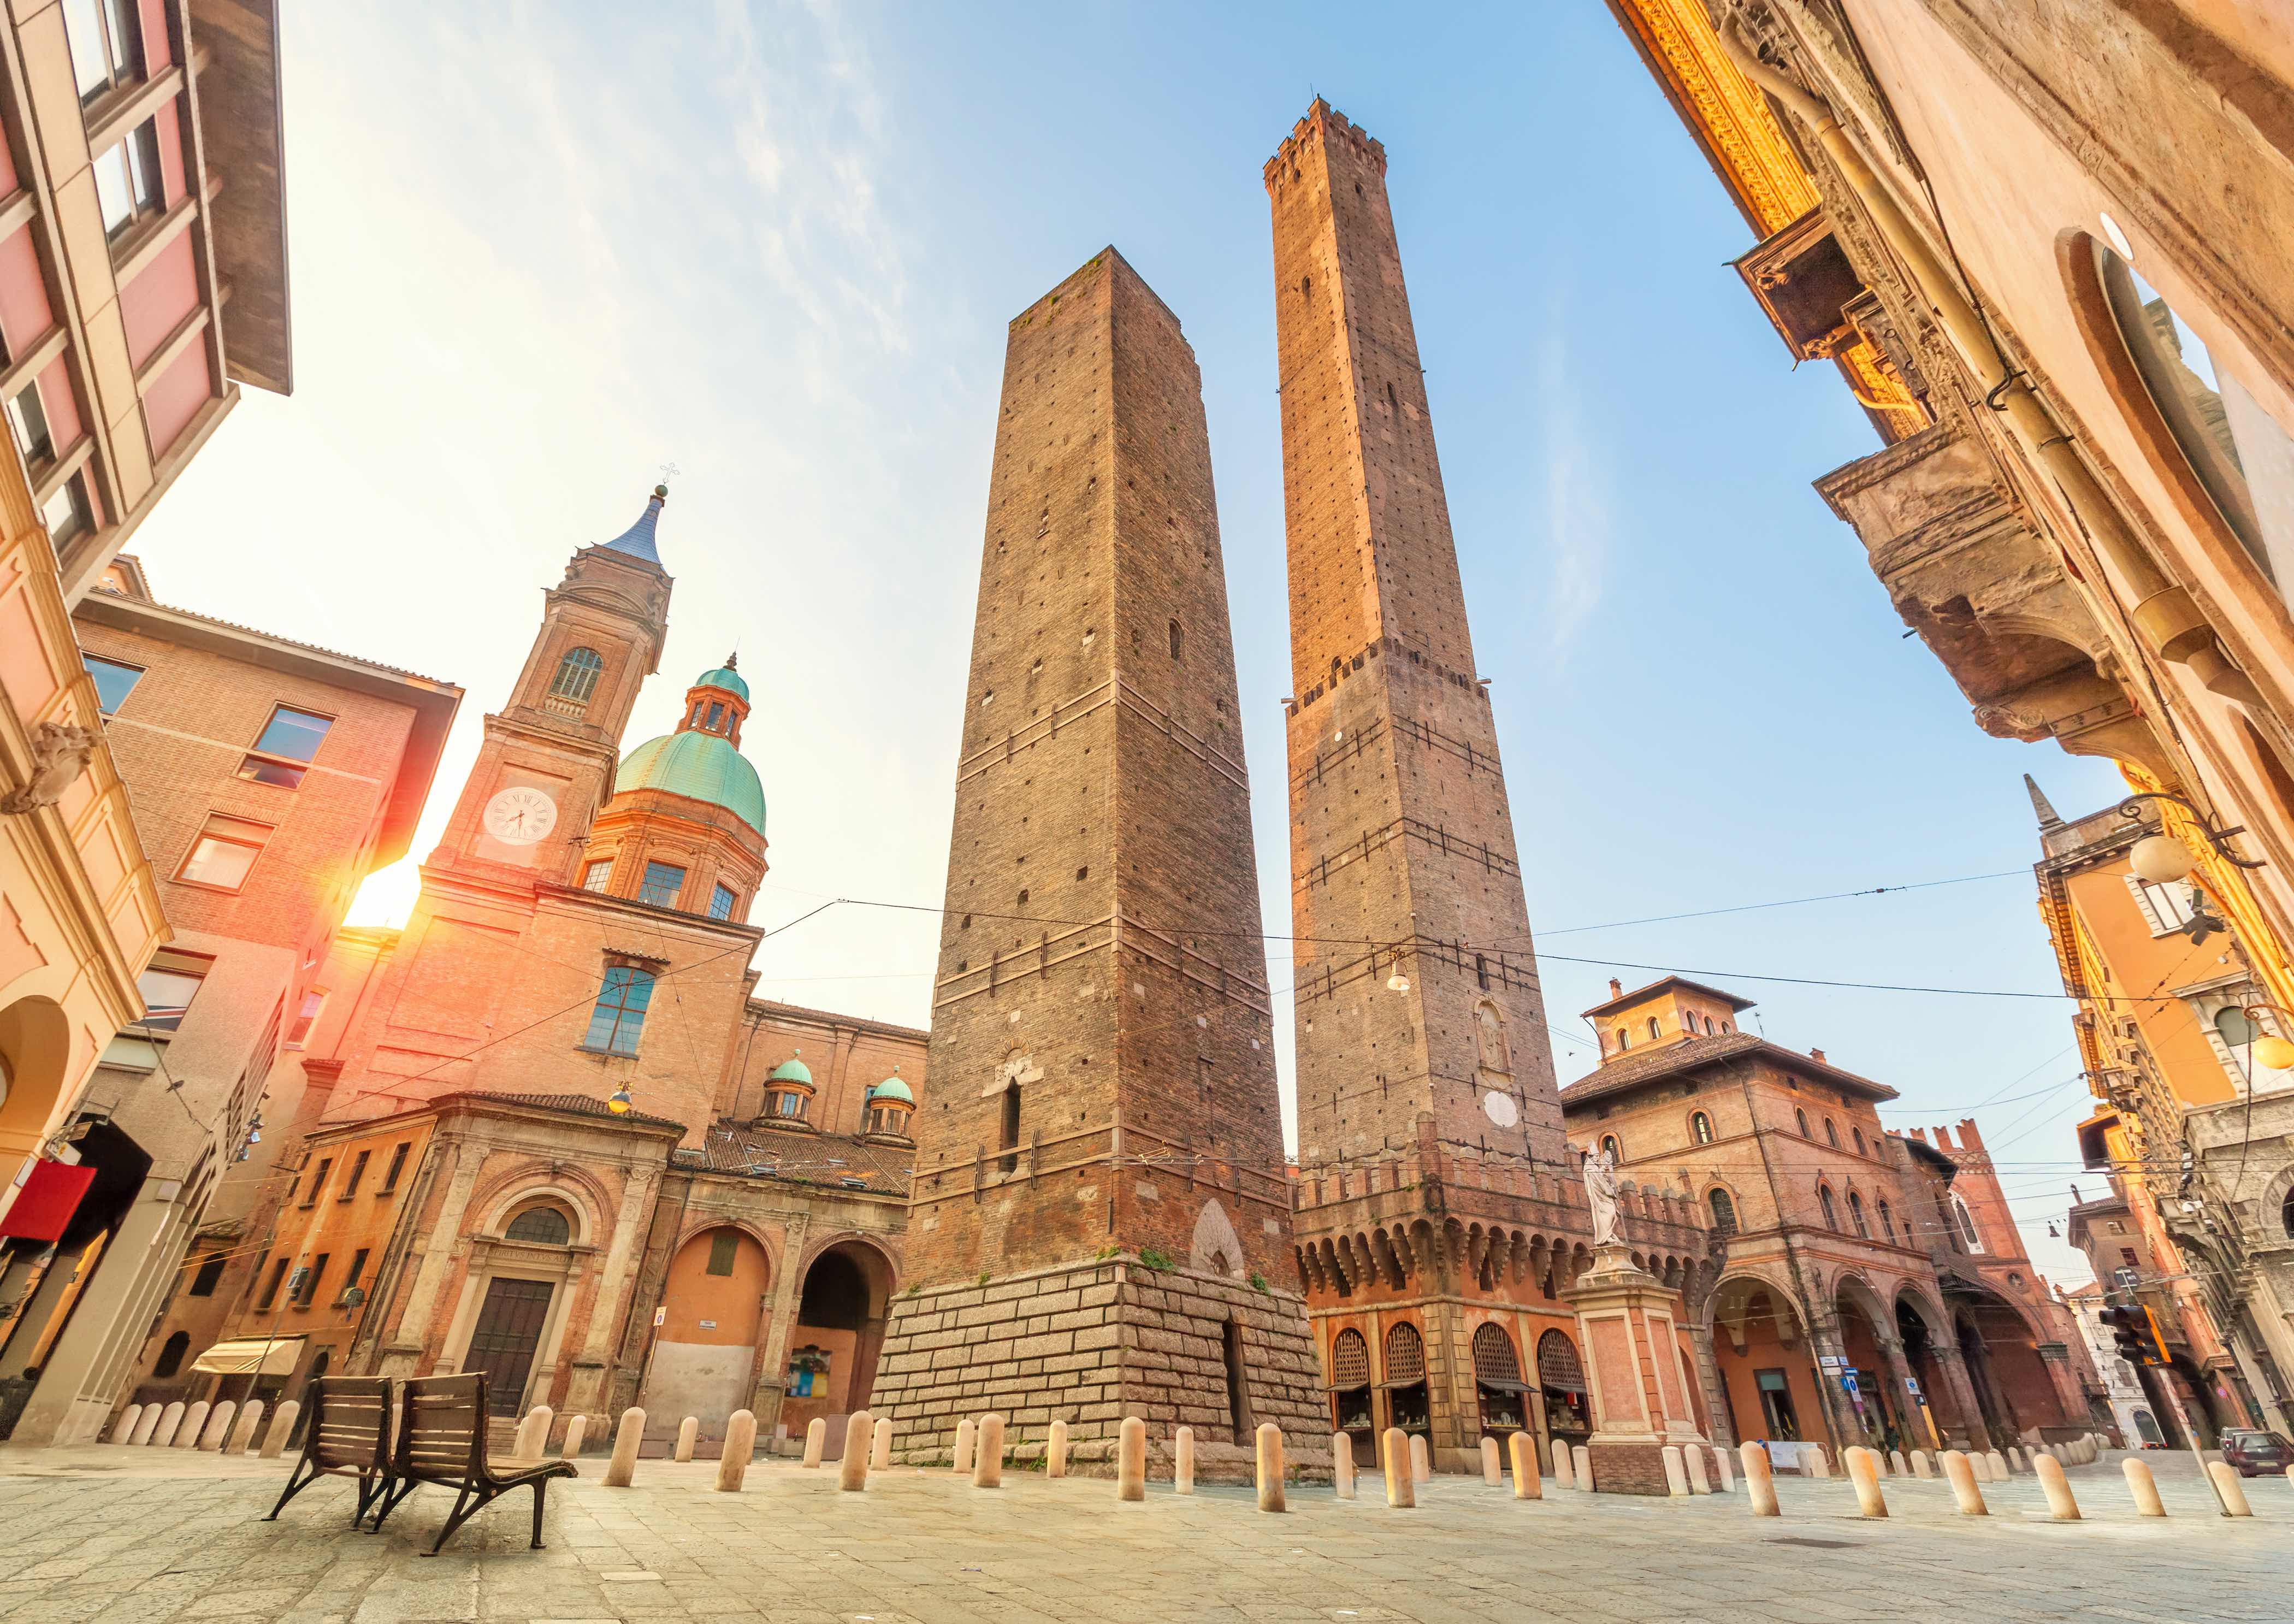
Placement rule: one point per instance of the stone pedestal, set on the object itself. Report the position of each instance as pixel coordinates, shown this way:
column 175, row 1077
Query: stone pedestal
column 1627, row 1323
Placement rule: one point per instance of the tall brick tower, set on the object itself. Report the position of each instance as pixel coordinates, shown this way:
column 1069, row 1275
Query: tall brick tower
column 1402, row 869
column 1101, row 1217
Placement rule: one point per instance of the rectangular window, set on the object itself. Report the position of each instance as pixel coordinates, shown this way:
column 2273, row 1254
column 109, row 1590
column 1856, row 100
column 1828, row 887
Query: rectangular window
column 210, row 1275
column 662, row 883
column 619, row 1018
column 2171, row 904
column 598, row 875
column 289, row 740
column 28, row 420
column 311, row 1278
column 318, row 1181
column 127, row 179
column 723, row 1247
column 225, row 850
column 299, row 1033
column 357, row 1172
column 271, row 1287
column 106, row 46
column 168, row 988
column 113, row 681
column 390, row 1174
column 358, row 1268
column 720, row 903
column 66, row 512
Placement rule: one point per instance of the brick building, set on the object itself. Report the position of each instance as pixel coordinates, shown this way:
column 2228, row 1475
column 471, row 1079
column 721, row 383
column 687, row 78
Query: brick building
column 1866, row 1287
column 268, row 779
column 543, row 1130
column 1102, row 1217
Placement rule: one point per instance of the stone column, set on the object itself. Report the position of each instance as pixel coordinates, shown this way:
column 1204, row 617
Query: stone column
column 1716, row 1389
column 586, row 1391
column 1898, row 1372
column 1966, row 1418
column 772, row 1374
column 1839, row 1415
column 440, row 1245
column 2057, row 1358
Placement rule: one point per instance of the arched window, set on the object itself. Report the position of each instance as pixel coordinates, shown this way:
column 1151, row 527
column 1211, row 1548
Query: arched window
column 1888, row 1223
column 1405, row 1354
column 1801, row 1117
column 1494, row 1358
column 171, row 1356
column 1967, row 1224
column 1624, row 1040
column 1700, row 1126
column 576, row 682
column 2286, row 1213
column 543, row 1225
column 1856, row 1214
column 1831, row 1134
column 1831, row 1213
column 1654, row 1030
column 619, row 1018
column 1349, row 1361
column 1008, row 1134
column 787, row 1104
column 1609, row 1143
column 1175, row 639
column 1708, row 1025
column 1860, row 1151
column 1724, row 1211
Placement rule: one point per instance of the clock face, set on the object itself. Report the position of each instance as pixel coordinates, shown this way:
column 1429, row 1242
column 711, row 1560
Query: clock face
column 1500, row 1109
column 520, row 815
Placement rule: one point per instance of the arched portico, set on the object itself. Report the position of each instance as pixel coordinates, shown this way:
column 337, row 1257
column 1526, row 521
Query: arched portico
column 830, row 1364
column 2013, row 1390
column 1766, row 1364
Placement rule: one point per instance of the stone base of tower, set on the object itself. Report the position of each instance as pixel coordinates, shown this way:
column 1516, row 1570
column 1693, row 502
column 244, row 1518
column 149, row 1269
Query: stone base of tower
column 1091, row 1343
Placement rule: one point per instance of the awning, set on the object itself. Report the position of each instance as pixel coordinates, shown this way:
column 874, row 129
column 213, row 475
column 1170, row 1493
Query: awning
column 1503, row 1384
column 251, row 1356
column 46, row 1202
column 1345, row 1387
column 1409, row 1381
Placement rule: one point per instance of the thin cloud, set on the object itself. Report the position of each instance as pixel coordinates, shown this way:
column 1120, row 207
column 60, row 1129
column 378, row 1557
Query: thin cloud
column 1578, row 517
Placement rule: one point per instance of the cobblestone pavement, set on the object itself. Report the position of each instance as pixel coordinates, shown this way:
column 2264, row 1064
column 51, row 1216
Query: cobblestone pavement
column 142, row 1537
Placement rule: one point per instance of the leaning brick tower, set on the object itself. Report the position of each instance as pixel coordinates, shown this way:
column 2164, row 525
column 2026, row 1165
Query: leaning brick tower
column 1417, row 989
column 1100, row 1218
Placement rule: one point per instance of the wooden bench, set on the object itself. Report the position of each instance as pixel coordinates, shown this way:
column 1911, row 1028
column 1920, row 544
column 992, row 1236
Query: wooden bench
column 442, row 1438
column 346, row 1434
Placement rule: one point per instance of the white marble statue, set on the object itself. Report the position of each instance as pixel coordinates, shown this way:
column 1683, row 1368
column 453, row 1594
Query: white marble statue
column 1601, row 1195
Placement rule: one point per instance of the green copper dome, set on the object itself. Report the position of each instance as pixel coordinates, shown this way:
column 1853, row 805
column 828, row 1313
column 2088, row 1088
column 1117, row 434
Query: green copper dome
column 725, row 677
column 891, row 1088
column 699, row 766
column 792, row 1071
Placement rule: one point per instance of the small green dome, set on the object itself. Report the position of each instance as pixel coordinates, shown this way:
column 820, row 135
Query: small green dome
column 892, row 1087
column 725, row 677
column 699, row 766
column 792, row 1071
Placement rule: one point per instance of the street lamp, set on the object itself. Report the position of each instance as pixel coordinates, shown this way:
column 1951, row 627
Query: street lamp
column 619, row 1102
column 2162, row 858
column 2272, row 1052
column 1397, row 982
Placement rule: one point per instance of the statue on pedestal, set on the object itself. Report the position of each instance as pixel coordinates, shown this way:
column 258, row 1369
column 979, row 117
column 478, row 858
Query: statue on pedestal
column 1601, row 1195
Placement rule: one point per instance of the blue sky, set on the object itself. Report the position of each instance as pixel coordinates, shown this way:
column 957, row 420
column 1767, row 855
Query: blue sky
column 540, row 250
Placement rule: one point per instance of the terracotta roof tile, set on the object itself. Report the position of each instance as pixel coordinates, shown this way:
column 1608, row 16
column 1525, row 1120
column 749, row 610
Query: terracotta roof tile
column 826, row 1159
column 1630, row 1070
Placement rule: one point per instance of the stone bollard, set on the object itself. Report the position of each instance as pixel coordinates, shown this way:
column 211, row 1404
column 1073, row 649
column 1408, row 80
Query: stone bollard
column 218, row 1425
column 1721, row 1458
column 987, row 1464
column 816, row 1440
column 194, row 1421
column 1692, row 1459
column 1864, row 1471
column 621, row 1471
column 1270, row 1468
column 1342, row 1465
column 1760, row 1482
column 1676, row 1475
column 1055, row 1452
column 1183, row 1461
column 1582, row 1464
column 959, row 1461
column 2226, row 1484
column 1812, row 1461
column 1131, row 1460
column 1979, row 1468
column 577, row 1432
column 1563, row 1476
column 1421, row 1464
column 1959, row 1469
column 1523, row 1448
column 243, row 1432
column 2061, row 1505
column 852, row 1471
column 533, row 1432
column 124, row 1427
column 1493, row 1472
column 689, row 1433
column 1897, row 1465
column 1922, row 1466
column 1401, row 1483
column 740, row 1444
column 145, row 1425
column 880, row 1445
column 2144, row 1489
column 1999, row 1465
column 170, row 1419
column 281, row 1428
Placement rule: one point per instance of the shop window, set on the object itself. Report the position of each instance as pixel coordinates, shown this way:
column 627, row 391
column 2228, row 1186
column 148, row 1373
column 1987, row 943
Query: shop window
column 224, row 852
column 289, row 740
column 618, row 1021
column 1777, row 1404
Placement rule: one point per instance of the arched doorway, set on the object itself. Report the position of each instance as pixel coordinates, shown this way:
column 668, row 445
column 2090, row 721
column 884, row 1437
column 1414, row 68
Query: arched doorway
column 1870, row 1396
column 2013, row 1388
column 1767, row 1370
column 1561, row 1384
column 1497, row 1381
column 704, row 1360
column 1932, row 1410
column 833, row 1347
column 1350, row 1393
column 1406, row 1405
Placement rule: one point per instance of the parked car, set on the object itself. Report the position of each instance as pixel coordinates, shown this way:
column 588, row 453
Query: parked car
column 2254, row 1453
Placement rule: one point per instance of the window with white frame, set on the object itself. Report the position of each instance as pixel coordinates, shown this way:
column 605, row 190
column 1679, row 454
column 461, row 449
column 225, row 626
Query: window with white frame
column 2164, row 908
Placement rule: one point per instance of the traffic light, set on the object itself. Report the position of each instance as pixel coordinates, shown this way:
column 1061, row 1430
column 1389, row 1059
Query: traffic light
column 2134, row 1331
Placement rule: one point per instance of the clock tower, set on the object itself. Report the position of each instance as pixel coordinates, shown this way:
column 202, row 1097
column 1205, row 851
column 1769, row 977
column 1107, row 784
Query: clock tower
column 547, row 765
